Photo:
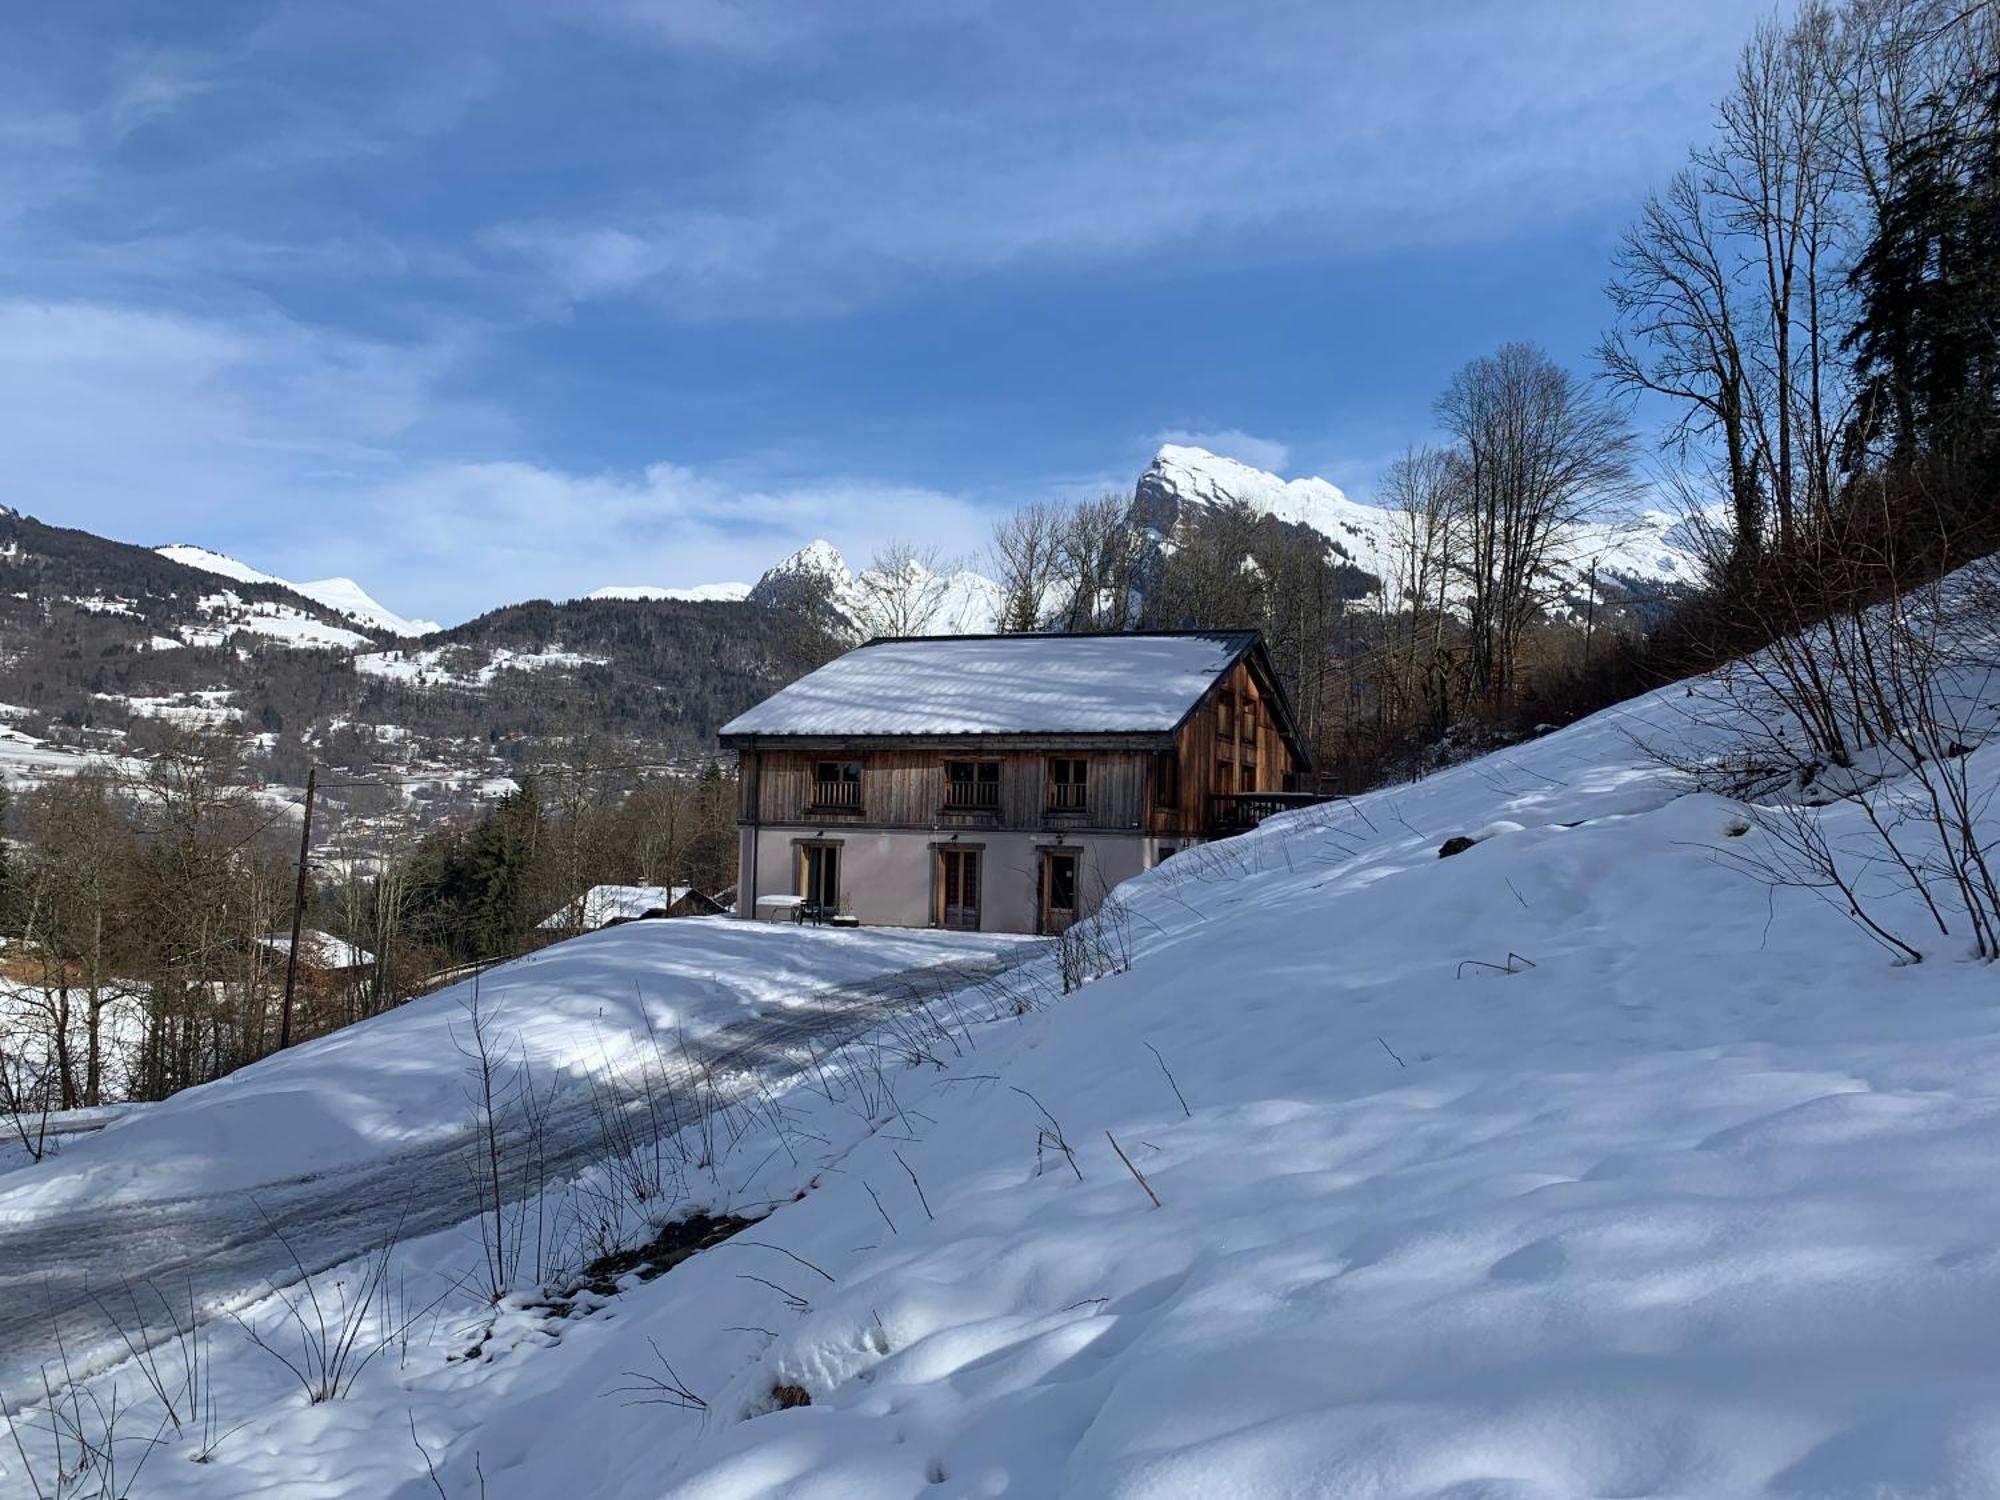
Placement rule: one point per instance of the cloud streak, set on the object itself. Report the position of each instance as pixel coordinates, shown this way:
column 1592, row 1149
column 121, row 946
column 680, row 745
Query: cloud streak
column 318, row 456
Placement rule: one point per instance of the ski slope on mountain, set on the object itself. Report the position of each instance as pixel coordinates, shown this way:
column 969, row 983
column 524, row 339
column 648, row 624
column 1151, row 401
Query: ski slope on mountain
column 1580, row 1163
column 342, row 595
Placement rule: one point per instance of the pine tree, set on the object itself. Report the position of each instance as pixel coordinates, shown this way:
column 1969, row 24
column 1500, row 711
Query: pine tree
column 1926, row 345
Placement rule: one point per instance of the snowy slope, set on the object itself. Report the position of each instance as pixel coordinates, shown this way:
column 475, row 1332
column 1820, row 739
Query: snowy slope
column 342, row 595
column 1579, row 1164
column 391, row 1084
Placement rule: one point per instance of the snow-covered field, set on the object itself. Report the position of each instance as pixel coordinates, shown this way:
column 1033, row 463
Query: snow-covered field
column 1580, row 1163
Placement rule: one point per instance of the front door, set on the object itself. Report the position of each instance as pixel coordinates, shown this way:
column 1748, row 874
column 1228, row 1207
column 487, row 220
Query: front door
column 1058, row 890
column 959, row 879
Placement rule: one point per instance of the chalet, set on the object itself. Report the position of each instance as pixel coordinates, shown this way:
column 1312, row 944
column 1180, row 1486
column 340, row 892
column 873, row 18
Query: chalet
column 613, row 905
column 1003, row 783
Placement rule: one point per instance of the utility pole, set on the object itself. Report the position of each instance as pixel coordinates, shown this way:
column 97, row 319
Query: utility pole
column 1590, row 611
column 298, row 912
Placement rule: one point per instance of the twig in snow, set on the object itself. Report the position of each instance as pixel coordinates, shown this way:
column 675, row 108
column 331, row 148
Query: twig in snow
column 792, row 1299
column 1170, row 1079
column 429, row 1467
column 1052, row 1137
column 760, row 1245
column 1392, row 1052
column 880, row 1209
column 1137, row 1176
column 652, row 1390
column 915, row 1184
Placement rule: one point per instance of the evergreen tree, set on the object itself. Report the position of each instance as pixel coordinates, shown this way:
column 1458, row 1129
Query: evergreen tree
column 1926, row 345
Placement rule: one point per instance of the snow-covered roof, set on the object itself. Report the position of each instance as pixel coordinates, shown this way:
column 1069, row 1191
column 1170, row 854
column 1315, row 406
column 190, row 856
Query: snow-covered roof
column 320, row 949
column 605, row 904
column 1003, row 684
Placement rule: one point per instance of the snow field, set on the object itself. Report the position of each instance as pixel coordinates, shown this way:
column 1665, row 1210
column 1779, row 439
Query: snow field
column 1578, row 1164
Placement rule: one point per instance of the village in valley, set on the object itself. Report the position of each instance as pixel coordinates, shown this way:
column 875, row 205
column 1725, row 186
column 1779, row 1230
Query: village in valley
column 909, row 903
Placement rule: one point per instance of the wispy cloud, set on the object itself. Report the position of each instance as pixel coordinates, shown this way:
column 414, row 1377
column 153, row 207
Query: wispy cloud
column 1232, row 442
column 1045, row 135
column 319, row 455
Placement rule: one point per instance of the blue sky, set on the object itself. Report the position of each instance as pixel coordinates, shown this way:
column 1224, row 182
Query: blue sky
column 488, row 300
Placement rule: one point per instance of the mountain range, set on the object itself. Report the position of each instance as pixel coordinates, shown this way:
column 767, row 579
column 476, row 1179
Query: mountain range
column 106, row 647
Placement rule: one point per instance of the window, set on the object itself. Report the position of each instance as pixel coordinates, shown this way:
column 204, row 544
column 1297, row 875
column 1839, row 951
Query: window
column 1068, row 785
column 1166, row 779
column 1225, row 778
column 1225, row 715
column 1248, row 768
column 837, row 784
column 972, row 785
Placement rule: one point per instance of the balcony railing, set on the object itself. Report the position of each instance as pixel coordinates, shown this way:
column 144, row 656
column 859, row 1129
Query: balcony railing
column 971, row 796
column 1242, row 811
column 837, row 796
column 1067, row 796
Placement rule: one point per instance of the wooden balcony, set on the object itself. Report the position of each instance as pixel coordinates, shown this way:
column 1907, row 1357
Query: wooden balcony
column 836, row 796
column 1242, row 811
column 972, row 796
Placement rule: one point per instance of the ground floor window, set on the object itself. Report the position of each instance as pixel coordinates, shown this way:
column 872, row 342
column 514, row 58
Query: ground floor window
column 958, row 889
column 819, row 877
column 1056, row 889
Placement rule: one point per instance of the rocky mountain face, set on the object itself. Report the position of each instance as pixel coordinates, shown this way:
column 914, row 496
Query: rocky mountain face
column 1648, row 556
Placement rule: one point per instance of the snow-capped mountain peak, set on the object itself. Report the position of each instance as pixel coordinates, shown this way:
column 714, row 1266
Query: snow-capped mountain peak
column 1184, row 476
column 818, row 556
column 341, row 595
column 1652, row 548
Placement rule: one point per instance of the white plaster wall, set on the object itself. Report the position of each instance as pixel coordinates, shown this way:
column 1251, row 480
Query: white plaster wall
column 885, row 877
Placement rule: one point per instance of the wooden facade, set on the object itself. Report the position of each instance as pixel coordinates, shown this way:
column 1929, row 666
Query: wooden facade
column 979, row 809
column 1236, row 741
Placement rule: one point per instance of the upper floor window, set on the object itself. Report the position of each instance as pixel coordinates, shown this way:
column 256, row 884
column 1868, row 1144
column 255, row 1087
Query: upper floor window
column 1068, row 784
column 1225, row 714
column 972, row 784
column 1166, row 778
column 836, row 783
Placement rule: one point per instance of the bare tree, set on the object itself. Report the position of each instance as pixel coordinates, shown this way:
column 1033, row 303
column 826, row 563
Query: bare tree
column 1025, row 559
column 1097, row 553
column 903, row 590
column 1422, row 493
column 1542, row 454
column 1675, row 295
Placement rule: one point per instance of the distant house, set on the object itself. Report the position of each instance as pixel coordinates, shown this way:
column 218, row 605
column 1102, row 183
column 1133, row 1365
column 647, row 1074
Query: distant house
column 608, row 905
column 321, row 952
column 1003, row 783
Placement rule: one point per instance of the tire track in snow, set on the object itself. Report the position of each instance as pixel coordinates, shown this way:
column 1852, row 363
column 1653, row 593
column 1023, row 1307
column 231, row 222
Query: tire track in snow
column 54, row 1270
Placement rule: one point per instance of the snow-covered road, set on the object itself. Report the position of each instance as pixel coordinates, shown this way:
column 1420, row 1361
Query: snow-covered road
column 79, row 1231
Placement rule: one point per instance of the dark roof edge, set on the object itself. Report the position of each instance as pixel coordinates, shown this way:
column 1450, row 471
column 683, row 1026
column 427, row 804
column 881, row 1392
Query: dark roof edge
column 1059, row 635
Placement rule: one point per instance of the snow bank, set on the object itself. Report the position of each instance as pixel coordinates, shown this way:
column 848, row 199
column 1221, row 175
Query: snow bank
column 1578, row 1164
column 395, row 1084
